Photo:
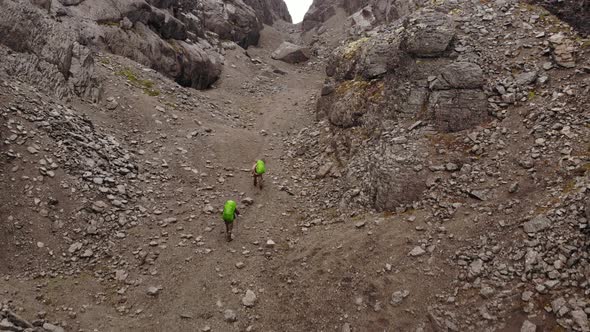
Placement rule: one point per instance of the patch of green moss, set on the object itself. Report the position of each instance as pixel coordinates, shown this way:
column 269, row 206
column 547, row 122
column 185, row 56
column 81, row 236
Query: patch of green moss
column 351, row 50
column 532, row 94
column 146, row 85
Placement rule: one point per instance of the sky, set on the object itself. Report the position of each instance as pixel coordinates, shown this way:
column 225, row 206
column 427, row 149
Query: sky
column 298, row 8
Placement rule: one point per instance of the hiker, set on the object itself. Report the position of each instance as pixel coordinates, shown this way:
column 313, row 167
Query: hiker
column 230, row 213
column 258, row 170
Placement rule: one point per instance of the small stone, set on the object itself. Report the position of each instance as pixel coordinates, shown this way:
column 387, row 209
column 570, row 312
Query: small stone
column 87, row 253
column 249, row 300
column 248, row 201
column 417, row 251
column 74, row 247
column 270, row 243
column 476, row 267
column 240, row 265
column 527, row 326
column 526, row 296
column 581, row 319
column 52, row 328
column 537, row 224
column 346, row 328
column 121, row 275
column 486, row 292
column 398, row 297
column 452, row 167
column 153, row 291
column 230, row 316
column 360, row 224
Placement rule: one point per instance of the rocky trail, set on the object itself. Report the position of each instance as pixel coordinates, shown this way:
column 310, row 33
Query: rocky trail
column 428, row 167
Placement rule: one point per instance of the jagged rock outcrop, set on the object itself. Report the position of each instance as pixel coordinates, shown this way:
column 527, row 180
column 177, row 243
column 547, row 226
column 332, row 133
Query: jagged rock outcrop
column 46, row 53
column 367, row 13
column 268, row 11
column 171, row 36
column 404, row 72
column 232, row 20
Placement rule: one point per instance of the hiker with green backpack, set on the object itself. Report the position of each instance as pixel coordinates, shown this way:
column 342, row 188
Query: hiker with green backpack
column 230, row 213
column 258, row 170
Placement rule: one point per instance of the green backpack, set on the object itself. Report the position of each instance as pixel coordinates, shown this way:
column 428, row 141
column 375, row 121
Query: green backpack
column 229, row 211
column 260, row 167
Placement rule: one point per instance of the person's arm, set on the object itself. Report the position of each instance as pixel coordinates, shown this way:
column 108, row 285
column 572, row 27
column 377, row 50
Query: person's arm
column 237, row 212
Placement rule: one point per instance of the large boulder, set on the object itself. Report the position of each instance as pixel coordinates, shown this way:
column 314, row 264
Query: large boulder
column 291, row 53
column 427, row 33
column 232, row 20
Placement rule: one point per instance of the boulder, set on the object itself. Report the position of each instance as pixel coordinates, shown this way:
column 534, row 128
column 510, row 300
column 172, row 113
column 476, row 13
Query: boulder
column 291, row 53
column 363, row 20
column 233, row 21
column 427, row 33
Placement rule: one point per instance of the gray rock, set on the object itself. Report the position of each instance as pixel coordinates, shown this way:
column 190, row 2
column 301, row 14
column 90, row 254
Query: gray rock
column 153, row 290
column 527, row 326
column 52, row 328
column 458, row 109
column 237, row 21
column 291, row 53
column 269, row 11
column 417, row 251
column 249, row 300
column 427, row 33
column 230, row 316
column 476, row 267
column 525, row 79
column 537, row 224
column 346, row 328
column 459, row 75
column 398, row 297
column 581, row 320
column 74, row 247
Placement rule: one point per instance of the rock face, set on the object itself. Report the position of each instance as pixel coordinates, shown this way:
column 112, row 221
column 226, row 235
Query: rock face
column 232, row 21
column 366, row 12
column 47, row 53
column 268, row 11
column 291, row 53
column 171, row 36
column 403, row 72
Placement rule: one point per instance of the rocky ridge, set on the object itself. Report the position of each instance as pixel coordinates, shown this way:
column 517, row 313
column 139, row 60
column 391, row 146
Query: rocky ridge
column 427, row 113
column 177, row 38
